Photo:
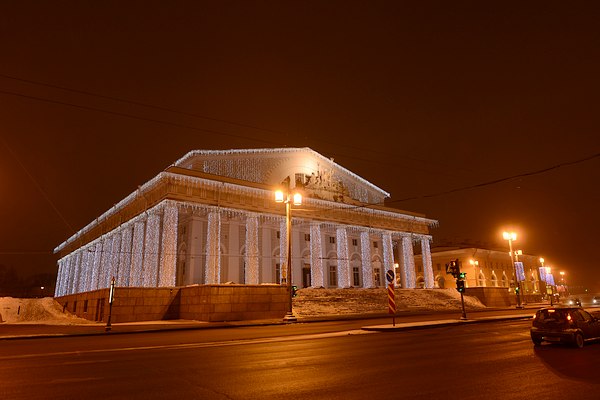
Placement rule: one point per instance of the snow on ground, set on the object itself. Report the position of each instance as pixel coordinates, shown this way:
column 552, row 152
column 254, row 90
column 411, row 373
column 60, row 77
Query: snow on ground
column 315, row 302
column 36, row 311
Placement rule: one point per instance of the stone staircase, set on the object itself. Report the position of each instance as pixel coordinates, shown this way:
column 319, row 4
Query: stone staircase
column 321, row 302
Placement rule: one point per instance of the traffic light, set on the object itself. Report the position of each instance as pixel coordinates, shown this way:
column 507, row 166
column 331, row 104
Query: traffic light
column 517, row 289
column 462, row 275
column 460, row 285
column 294, row 291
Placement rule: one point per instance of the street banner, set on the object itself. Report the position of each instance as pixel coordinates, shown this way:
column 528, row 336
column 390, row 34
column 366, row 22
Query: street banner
column 520, row 271
column 549, row 279
column 543, row 274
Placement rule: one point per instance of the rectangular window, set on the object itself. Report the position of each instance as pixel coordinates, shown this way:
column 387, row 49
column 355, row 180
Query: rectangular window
column 375, row 244
column 278, row 273
column 85, row 305
column 438, row 266
column 75, row 306
column 307, row 237
column 356, row 277
column 333, row 275
column 278, row 235
column 331, row 239
column 354, row 242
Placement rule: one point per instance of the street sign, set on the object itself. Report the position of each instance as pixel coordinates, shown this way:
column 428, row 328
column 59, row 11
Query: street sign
column 389, row 275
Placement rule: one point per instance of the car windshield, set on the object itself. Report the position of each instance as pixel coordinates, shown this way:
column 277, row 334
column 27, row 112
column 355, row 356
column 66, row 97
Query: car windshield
column 552, row 314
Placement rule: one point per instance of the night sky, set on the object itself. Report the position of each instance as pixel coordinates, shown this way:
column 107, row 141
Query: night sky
column 482, row 115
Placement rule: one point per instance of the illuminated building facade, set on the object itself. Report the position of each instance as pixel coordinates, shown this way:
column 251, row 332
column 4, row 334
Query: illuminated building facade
column 211, row 218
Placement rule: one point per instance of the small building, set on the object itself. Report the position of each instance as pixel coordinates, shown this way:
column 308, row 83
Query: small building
column 484, row 268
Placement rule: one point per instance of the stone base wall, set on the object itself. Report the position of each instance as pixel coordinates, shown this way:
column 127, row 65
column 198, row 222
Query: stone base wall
column 199, row 302
column 492, row 296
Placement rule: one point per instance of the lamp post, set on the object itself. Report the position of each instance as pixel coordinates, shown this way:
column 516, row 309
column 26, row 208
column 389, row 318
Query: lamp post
column 510, row 236
column 288, row 199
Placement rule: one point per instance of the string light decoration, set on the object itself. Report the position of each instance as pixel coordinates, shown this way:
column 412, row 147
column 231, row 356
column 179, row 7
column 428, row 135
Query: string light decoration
column 96, row 264
column 213, row 248
column 115, row 257
column 76, row 273
column 252, row 252
column 168, row 254
column 388, row 252
column 58, row 288
column 85, row 270
column 282, row 250
column 137, row 253
column 365, row 254
column 343, row 264
column 427, row 264
column 316, row 256
column 408, row 262
column 125, row 256
column 106, row 259
column 150, row 264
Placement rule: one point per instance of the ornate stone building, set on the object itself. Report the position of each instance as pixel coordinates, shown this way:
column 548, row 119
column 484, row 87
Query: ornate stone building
column 211, row 218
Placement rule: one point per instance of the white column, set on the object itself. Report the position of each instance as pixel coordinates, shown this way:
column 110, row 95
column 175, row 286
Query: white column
column 283, row 248
column 76, row 272
column 85, row 270
column 168, row 254
column 97, row 266
column 115, row 257
column 104, row 280
column 194, row 245
column 408, row 262
column 213, row 248
column 151, row 250
column 137, row 254
column 427, row 265
column 343, row 265
column 125, row 257
column 388, row 253
column 58, row 288
column 316, row 256
column 69, row 274
column 365, row 254
column 266, row 261
column 251, row 272
column 231, row 265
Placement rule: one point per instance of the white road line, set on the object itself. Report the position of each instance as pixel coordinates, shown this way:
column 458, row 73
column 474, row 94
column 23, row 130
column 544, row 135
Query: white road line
column 195, row 345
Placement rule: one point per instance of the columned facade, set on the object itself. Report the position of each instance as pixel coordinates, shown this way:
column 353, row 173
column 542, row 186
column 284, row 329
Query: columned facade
column 184, row 228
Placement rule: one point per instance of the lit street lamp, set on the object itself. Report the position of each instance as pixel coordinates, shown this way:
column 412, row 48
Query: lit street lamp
column 475, row 265
column 510, row 236
column 288, row 199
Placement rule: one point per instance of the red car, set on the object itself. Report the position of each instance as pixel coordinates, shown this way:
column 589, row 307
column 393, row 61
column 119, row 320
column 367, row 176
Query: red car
column 565, row 325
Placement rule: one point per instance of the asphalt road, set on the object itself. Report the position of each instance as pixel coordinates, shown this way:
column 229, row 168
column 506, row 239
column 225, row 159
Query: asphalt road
column 305, row 361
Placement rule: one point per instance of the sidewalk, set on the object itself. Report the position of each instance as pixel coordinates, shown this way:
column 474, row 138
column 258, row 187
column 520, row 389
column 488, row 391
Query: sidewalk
column 403, row 321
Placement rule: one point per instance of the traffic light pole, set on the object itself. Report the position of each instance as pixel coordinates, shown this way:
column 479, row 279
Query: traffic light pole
column 462, row 302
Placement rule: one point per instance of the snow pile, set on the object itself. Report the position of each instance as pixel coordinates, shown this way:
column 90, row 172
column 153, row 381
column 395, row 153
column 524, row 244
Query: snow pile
column 319, row 302
column 36, row 311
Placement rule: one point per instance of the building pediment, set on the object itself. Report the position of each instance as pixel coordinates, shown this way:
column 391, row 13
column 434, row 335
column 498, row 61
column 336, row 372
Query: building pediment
column 320, row 177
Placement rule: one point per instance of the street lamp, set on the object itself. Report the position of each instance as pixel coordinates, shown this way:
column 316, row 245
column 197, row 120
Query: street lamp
column 475, row 265
column 288, row 199
column 510, row 236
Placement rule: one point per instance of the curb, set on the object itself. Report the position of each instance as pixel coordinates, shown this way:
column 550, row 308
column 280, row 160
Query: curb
column 440, row 323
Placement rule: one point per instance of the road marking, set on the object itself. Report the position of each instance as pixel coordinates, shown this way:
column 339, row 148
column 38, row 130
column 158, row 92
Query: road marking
column 196, row 345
